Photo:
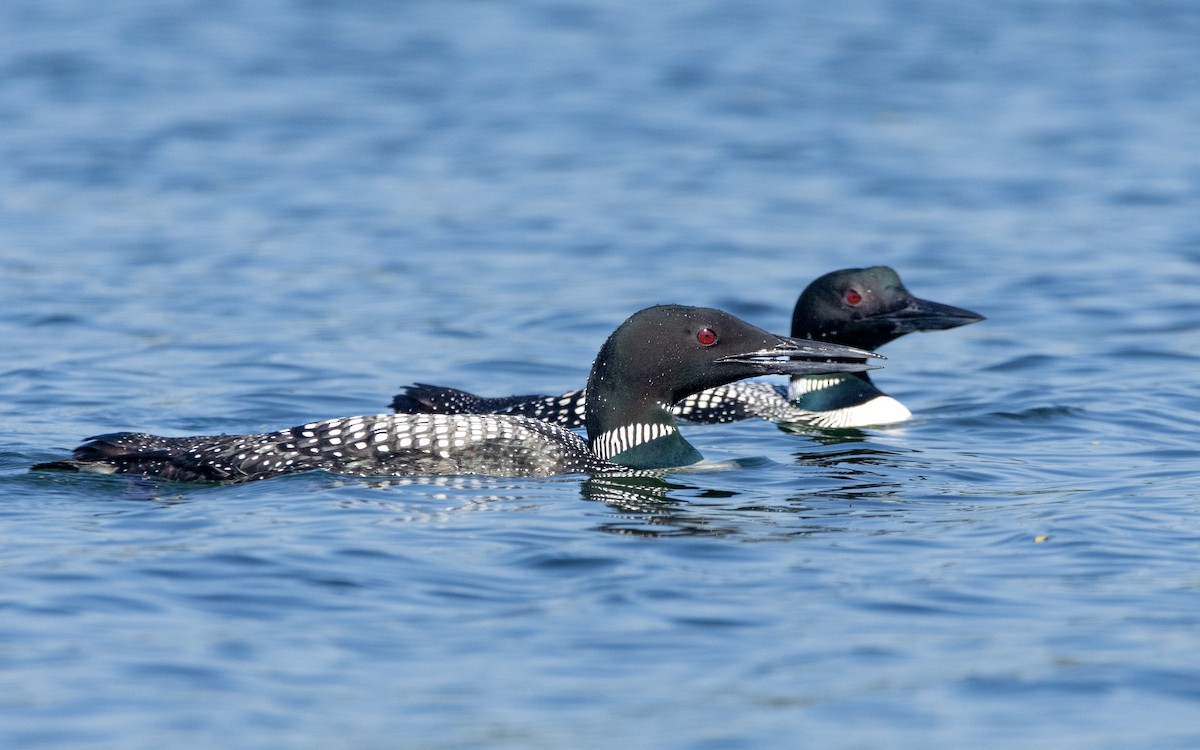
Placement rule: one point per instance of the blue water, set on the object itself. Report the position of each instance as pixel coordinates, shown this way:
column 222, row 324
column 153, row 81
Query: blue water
column 232, row 217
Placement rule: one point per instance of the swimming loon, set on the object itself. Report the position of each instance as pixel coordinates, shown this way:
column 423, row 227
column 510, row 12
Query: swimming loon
column 860, row 307
column 655, row 358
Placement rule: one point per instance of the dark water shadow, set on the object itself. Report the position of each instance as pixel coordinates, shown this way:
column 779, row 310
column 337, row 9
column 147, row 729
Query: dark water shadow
column 825, row 435
column 108, row 488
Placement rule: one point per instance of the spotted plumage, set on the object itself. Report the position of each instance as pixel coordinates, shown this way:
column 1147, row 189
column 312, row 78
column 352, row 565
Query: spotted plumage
column 655, row 358
column 861, row 307
column 359, row 446
column 567, row 410
column 726, row 403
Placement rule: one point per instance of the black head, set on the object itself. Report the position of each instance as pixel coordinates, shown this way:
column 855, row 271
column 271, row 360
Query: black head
column 665, row 353
column 868, row 307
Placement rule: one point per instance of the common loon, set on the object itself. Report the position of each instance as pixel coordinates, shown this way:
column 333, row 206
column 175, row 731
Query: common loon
column 655, row 358
column 860, row 307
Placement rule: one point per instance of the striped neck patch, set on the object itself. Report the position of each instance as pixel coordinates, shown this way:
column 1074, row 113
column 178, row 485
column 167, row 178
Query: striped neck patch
column 811, row 383
column 620, row 439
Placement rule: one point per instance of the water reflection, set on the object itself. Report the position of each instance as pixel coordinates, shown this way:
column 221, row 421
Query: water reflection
column 631, row 494
column 655, row 507
column 751, row 498
column 827, row 499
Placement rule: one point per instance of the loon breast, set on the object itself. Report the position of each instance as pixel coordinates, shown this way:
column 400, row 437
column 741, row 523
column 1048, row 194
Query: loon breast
column 840, row 401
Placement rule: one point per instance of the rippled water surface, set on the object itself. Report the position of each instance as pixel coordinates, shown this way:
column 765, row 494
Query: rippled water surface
column 232, row 217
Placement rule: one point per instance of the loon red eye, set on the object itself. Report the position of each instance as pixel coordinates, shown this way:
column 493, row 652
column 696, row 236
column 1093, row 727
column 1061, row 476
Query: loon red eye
column 707, row 336
column 853, row 297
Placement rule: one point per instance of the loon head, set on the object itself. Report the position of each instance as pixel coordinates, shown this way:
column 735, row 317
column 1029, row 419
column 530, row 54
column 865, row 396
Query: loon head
column 668, row 352
column 663, row 354
column 868, row 307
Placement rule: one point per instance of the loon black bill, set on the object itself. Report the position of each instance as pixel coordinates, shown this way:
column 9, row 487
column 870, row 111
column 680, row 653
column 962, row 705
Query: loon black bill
column 924, row 315
column 806, row 357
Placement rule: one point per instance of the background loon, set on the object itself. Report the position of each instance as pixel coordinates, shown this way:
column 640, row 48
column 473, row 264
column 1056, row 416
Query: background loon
column 655, row 358
column 859, row 307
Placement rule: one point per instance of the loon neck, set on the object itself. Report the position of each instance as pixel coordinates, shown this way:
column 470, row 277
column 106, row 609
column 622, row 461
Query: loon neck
column 831, row 391
column 828, row 378
column 640, row 436
column 628, row 418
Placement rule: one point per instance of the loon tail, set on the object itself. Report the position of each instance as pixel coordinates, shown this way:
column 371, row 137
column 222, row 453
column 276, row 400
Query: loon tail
column 423, row 398
column 133, row 452
column 102, row 449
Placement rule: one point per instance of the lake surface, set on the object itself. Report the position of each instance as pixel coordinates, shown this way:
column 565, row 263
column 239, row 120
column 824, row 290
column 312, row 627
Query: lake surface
column 235, row 217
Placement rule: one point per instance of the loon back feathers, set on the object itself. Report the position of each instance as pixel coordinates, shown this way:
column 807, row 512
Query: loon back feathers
column 655, row 357
column 566, row 410
column 726, row 403
column 383, row 445
column 387, row 444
